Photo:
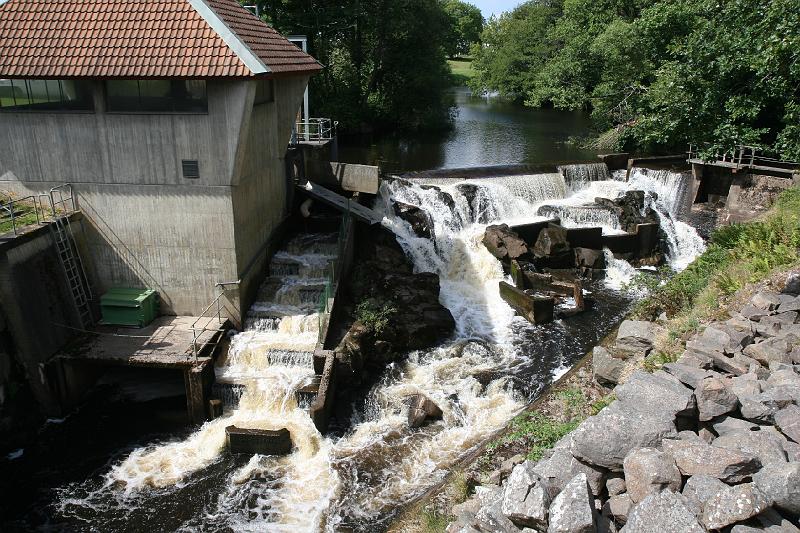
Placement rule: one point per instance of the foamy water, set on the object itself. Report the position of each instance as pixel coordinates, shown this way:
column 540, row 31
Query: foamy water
column 329, row 483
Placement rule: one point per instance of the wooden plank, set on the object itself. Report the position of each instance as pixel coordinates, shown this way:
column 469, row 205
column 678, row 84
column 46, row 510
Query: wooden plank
column 337, row 201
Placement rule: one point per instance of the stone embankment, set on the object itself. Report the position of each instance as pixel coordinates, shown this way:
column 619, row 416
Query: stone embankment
column 710, row 442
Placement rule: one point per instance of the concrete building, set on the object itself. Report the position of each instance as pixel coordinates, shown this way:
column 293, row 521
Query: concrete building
column 171, row 120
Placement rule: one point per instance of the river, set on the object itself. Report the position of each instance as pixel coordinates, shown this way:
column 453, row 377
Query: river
column 486, row 131
column 127, row 464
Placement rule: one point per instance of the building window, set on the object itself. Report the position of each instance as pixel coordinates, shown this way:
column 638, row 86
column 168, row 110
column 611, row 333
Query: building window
column 46, row 95
column 265, row 92
column 156, row 96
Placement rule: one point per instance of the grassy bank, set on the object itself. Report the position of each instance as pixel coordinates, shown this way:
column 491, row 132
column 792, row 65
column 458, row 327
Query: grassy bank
column 461, row 70
column 24, row 215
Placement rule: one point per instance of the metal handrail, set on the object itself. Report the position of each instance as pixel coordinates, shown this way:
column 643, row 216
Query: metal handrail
column 10, row 208
column 315, row 129
column 198, row 331
column 742, row 156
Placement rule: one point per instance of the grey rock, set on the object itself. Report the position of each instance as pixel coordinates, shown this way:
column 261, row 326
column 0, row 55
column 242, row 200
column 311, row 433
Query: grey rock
column 659, row 389
column 769, row 350
column 635, row 337
column 664, row 512
column 737, row 321
column 751, row 312
column 689, row 375
column 738, row 364
column 752, row 408
column 728, row 339
column 618, row 508
column 745, row 385
column 728, row 423
column 734, row 504
column 561, row 467
column 784, row 376
column 706, row 434
column 769, row 301
column 788, row 421
column 421, row 409
column 777, row 325
column 615, row 484
column 792, row 450
column 690, row 436
column 648, row 470
column 792, row 284
column 694, row 458
column 700, row 488
column 790, row 305
column 695, row 359
column 490, row 517
column 572, row 511
column 607, row 370
column 770, row 521
column 526, row 497
column 759, row 443
column 624, row 427
column 714, row 398
column 781, row 483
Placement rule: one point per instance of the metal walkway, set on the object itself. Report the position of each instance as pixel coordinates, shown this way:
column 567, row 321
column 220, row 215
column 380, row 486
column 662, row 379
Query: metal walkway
column 337, row 201
column 748, row 158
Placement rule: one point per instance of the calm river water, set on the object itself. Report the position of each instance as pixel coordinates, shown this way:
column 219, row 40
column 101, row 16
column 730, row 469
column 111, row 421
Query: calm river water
column 487, row 131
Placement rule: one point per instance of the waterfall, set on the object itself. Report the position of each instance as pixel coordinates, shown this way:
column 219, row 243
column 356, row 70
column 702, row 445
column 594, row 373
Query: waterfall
column 494, row 364
column 579, row 175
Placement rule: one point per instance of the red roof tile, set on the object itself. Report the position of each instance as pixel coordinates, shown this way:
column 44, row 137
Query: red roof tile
column 141, row 39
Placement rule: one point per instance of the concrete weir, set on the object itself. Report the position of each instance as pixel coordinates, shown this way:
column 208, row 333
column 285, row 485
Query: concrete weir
column 262, row 441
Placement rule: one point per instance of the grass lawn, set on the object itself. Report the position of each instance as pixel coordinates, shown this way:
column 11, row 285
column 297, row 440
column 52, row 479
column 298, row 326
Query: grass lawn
column 462, row 70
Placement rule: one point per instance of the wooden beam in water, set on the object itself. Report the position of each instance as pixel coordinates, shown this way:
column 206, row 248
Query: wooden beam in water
column 339, row 202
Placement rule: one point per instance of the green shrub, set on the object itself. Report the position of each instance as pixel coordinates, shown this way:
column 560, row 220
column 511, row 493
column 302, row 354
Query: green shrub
column 374, row 316
column 537, row 432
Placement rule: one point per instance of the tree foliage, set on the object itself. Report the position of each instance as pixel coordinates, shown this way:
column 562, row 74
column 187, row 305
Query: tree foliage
column 465, row 27
column 662, row 73
column 385, row 59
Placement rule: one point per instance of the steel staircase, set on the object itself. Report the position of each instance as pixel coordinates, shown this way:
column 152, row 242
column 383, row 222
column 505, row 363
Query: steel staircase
column 73, row 269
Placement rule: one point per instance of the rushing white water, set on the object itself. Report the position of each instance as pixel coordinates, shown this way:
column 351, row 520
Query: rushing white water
column 332, row 483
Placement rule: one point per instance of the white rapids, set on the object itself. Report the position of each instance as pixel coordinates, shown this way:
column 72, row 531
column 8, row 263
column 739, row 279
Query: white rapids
column 357, row 479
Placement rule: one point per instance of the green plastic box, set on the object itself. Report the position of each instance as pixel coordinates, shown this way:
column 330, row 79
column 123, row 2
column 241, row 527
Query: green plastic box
column 129, row 307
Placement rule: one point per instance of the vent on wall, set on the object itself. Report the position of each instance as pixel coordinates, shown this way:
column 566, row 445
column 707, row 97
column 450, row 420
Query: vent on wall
column 191, row 169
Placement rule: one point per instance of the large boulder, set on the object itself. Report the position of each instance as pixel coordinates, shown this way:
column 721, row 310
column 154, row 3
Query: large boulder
column 636, row 337
column 526, row 498
column 503, row 243
column 688, row 374
column 762, row 444
column 572, row 511
column 694, row 458
column 788, row 421
column 618, row 507
column 726, row 339
column 660, row 390
column 663, row 512
column 648, row 470
column 781, row 483
column 607, row 369
column 769, row 521
column 490, row 517
column 769, row 350
column 714, row 398
column 561, row 467
column 552, row 241
column 623, row 427
column 422, row 408
column 700, row 488
column 734, row 504
column 419, row 220
column 630, row 209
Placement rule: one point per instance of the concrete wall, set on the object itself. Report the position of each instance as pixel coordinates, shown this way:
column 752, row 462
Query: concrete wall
column 150, row 226
column 36, row 303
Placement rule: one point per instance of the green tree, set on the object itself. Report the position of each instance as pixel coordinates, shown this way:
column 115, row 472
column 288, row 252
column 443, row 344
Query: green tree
column 465, row 27
column 385, row 65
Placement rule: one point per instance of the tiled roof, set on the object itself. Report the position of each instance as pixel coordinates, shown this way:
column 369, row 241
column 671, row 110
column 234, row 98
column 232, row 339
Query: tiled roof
column 141, row 39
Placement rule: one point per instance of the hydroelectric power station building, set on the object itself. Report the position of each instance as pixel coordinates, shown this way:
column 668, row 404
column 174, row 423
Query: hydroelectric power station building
column 169, row 120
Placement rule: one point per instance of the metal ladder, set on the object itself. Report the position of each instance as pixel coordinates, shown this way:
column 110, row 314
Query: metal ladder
column 73, row 269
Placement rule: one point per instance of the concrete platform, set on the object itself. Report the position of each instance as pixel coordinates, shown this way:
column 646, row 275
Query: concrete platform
column 165, row 343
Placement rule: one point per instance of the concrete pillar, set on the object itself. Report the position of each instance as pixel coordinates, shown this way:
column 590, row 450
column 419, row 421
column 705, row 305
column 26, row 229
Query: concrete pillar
column 198, row 384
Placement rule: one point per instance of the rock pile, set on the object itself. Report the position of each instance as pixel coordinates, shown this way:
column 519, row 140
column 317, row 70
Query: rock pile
column 708, row 443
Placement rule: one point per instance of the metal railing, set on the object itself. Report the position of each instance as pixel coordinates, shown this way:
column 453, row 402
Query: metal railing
column 213, row 316
column 743, row 156
column 314, row 129
column 332, row 279
column 60, row 199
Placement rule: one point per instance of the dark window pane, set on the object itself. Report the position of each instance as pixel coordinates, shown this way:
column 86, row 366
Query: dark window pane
column 46, row 95
column 156, row 96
